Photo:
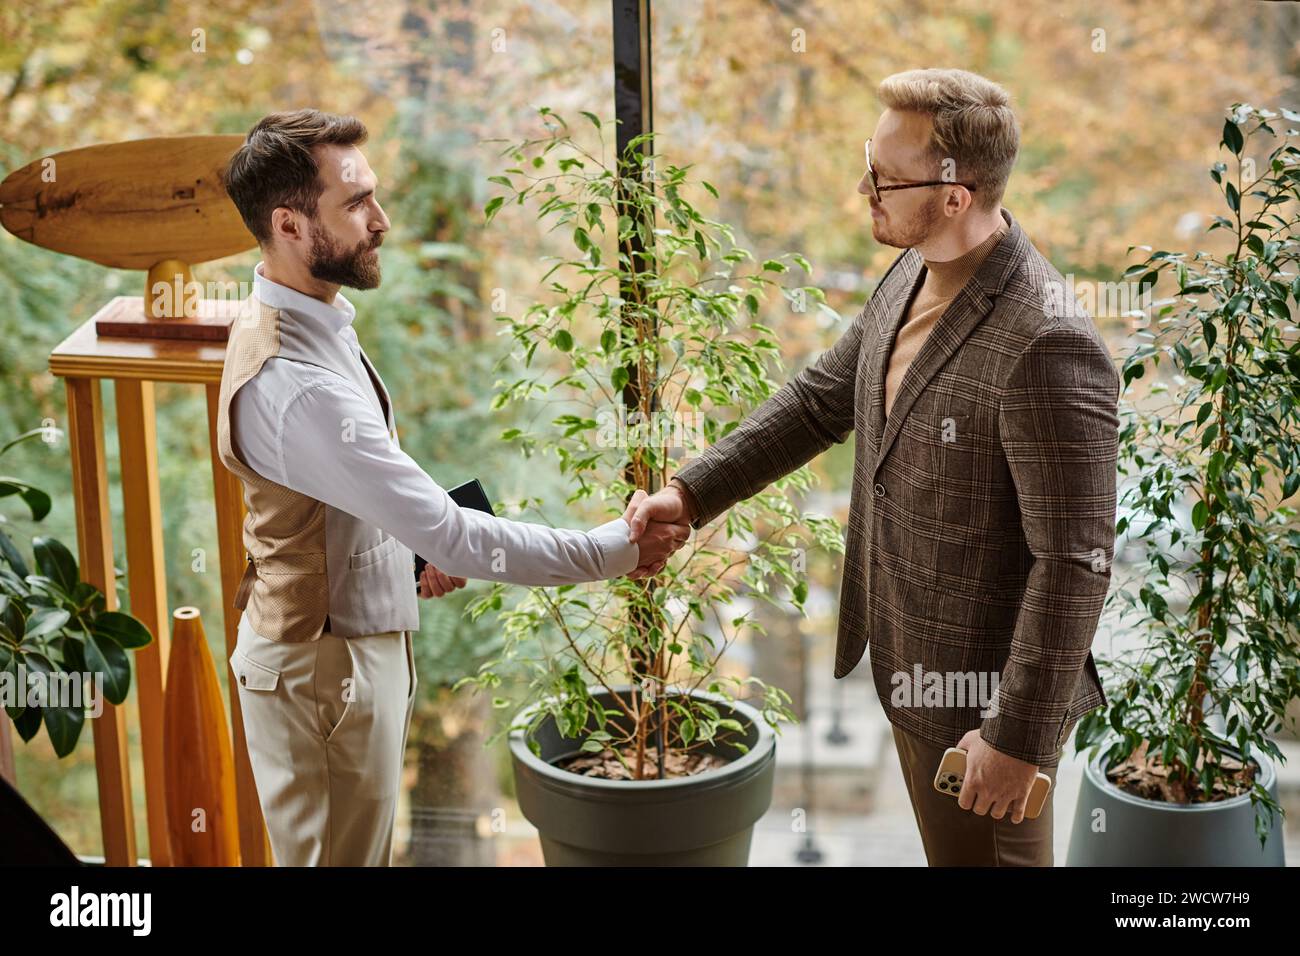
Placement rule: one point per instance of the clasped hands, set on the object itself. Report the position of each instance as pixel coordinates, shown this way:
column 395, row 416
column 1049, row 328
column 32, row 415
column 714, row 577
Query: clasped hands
column 659, row 524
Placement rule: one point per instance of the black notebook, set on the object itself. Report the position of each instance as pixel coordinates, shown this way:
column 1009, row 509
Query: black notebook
column 468, row 495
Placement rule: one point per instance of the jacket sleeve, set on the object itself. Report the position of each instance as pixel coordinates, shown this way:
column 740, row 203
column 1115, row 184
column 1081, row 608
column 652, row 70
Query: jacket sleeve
column 1059, row 429
column 802, row 419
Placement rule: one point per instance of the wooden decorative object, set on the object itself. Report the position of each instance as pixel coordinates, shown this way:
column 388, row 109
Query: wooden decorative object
column 154, row 204
column 201, row 818
column 133, row 365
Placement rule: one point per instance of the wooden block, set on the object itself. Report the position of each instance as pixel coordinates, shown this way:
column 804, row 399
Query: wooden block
column 125, row 317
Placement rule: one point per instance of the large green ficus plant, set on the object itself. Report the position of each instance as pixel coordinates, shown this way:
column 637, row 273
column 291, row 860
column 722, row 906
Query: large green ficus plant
column 1209, row 472
column 55, row 631
column 647, row 348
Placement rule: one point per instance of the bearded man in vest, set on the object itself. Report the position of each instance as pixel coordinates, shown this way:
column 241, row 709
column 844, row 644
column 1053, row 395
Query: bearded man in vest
column 982, row 515
column 337, row 511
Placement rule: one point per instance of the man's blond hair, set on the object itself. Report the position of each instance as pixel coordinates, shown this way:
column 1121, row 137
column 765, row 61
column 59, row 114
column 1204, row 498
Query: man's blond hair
column 974, row 127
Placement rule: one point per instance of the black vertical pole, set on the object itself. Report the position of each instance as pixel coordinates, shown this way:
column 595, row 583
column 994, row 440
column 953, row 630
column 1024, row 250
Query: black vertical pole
column 632, row 90
column 634, row 111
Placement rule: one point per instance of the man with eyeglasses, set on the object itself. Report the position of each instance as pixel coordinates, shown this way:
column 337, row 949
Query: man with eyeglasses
column 982, row 517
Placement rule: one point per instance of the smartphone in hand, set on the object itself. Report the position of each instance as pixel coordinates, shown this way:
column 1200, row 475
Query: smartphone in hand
column 952, row 770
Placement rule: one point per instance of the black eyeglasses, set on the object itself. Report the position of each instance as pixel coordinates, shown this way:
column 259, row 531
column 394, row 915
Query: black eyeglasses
column 877, row 189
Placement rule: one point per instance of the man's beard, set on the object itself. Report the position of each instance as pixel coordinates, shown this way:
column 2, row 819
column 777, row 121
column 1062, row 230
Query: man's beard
column 912, row 233
column 356, row 268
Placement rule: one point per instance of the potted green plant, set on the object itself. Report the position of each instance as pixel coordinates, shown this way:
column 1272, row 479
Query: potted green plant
column 632, row 746
column 55, row 631
column 1186, row 773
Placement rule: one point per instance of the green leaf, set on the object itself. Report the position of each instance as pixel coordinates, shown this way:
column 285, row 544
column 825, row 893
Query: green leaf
column 618, row 378
column 1199, row 514
column 491, row 208
column 27, row 722
column 1232, row 137
column 562, row 340
column 13, row 556
column 63, row 724
column 38, row 502
column 55, row 562
column 15, row 705
column 1291, row 483
column 31, row 434
column 104, row 656
column 122, row 629
column 46, row 620
column 13, row 626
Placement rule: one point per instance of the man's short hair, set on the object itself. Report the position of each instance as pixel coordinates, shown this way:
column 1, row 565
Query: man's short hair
column 974, row 126
column 276, row 165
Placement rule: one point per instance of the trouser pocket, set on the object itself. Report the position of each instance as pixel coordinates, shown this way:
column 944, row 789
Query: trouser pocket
column 334, row 684
column 253, row 675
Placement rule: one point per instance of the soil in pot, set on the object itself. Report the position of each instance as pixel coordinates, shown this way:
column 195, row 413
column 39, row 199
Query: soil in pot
column 608, row 766
column 1144, row 775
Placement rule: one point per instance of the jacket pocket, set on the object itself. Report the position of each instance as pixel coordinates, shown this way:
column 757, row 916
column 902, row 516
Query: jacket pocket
column 372, row 555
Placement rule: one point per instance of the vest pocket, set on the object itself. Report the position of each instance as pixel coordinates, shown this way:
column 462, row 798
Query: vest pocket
column 372, row 555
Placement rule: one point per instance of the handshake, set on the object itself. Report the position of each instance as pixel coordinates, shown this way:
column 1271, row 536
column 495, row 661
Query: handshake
column 660, row 524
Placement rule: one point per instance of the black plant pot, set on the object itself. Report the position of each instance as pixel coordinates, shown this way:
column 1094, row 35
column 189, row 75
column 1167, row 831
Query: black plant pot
column 702, row 820
column 1141, row 832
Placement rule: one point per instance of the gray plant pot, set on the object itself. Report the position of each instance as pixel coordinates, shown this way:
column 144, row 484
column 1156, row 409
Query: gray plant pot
column 1140, row 832
column 704, row 820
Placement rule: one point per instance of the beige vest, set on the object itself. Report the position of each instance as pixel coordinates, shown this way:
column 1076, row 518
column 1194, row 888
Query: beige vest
column 311, row 567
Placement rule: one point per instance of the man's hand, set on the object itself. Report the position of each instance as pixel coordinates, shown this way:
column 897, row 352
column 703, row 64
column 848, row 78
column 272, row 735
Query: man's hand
column 433, row 583
column 659, row 526
column 994, row 781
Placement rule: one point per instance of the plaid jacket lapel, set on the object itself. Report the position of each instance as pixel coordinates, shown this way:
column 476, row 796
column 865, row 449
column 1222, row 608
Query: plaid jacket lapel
column 967, row 310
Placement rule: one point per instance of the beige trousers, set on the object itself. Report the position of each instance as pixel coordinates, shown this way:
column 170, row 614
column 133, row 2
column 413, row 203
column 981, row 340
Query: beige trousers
column 956, row 837
column 326, row 723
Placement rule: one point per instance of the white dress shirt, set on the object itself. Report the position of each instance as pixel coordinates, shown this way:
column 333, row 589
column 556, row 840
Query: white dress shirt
column 315, row 432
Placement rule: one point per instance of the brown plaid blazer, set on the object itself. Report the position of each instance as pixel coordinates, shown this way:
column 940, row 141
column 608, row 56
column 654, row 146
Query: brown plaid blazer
column 982, row 516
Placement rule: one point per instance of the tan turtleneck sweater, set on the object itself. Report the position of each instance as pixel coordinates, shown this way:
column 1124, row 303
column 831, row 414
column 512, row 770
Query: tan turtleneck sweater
column 943, row 280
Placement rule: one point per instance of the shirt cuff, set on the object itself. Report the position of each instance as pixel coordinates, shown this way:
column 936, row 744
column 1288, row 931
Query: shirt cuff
column 619, row 554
